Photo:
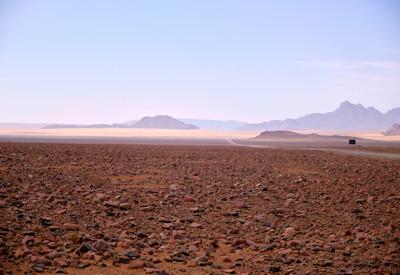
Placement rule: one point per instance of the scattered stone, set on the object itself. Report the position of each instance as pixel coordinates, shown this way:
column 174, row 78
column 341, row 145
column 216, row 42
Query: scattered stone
column 38, row 268
column 71, row 227
column 84, row 248
column 131, row 254
column 267, row 247
column 167, row 225
column 83, row 265
column 114, row 204
column 137, row 264
column 152, row 242
column 327, row 263
column 202, row 261
column 101, row 246
column 174, row 187
column 239, row 244
column 122, row 259
column 195, row 225
column 107, row 205
column 226, row 259
column 125, row 206
column 46, row 221
column 180, row 256
column 275, row 269
column 232, row 213
column 188, row 198
column 289, row 233
column 60, row 263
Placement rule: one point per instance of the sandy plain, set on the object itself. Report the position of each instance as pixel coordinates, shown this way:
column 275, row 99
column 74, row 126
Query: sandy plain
column 165, row 133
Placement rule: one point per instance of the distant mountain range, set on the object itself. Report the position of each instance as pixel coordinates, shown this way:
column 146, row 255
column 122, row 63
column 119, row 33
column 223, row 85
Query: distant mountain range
column 347, row 117
column 156, row 122
column 22, row 125
column 95, row 126
column 161, row 122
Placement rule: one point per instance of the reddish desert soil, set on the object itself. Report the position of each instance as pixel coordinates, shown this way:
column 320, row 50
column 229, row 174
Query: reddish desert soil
column 130, row 209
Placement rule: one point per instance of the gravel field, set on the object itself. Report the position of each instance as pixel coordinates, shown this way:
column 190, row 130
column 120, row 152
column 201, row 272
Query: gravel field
column 147, row 209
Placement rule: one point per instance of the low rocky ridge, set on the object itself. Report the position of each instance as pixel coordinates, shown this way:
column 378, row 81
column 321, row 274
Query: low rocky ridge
column 123, row 209
column 393, row 131
column 293, row 136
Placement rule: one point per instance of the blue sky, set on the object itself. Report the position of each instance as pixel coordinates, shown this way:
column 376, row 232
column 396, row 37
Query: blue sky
column 109, row 61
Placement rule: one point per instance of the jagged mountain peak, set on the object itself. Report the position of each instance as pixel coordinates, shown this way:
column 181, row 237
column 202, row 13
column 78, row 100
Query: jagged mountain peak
column 348, row 116
column 348, row 106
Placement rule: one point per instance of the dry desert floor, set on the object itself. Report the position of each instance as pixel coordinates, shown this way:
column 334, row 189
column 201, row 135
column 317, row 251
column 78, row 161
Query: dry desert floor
column 147, row 209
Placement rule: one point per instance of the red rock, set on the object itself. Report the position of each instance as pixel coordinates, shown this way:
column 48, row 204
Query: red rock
column 173, row 187
column 195, row 225
column 289, row 232
column 137, row 264
column 178, row 234
column 101, row 246
column 241, row 205
column 285, row 252
column 71, row 227
column 97, row 258
column 226, row 259
column 28, row 241
column 125, row 206
column 100, row 196
column 188, row 198
column 240, row 243
column 288, row 203
column 112, row 204
column 167, row 225
column 60, row 263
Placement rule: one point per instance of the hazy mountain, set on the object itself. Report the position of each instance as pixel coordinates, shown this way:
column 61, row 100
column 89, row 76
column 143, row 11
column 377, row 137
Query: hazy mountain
column 63, row 126
column 130, row 122
column 209, row 124
column 162, row 122
column 22, row 125
column 347, row 117
column 156, row 122
column 393, row 131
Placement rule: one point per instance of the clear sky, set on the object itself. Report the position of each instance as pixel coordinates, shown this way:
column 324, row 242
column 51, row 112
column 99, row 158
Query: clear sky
column 111, row 61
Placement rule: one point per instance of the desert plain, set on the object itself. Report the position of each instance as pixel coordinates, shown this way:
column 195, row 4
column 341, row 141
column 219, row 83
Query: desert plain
column 190, row 209
column 7, row 132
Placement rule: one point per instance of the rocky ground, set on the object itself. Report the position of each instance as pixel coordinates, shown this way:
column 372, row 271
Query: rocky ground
column 126, row 209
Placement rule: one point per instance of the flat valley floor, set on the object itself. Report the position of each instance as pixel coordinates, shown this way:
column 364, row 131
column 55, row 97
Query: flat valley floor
column 148, row 209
